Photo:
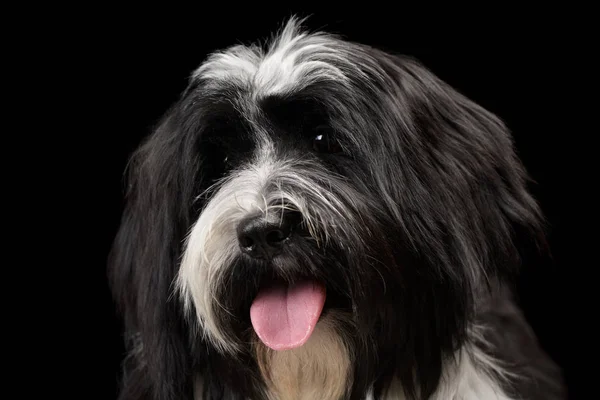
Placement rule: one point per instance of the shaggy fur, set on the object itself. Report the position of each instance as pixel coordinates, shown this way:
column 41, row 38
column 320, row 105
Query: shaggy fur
column 409, row 205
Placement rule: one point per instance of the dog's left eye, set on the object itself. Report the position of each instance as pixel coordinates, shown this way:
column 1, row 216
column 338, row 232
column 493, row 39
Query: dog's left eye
column 324, row 142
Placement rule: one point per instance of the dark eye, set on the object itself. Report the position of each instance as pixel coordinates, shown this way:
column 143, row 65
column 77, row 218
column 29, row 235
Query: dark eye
column 324, row 141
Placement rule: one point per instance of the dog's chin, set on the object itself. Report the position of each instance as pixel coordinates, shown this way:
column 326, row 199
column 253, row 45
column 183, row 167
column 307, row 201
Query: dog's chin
column 295, row 322
column 311, row 359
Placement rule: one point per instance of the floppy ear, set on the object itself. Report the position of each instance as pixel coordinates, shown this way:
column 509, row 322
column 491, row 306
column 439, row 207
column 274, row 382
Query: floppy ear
column 477, row 187
column 460, row 198
column 144, row 261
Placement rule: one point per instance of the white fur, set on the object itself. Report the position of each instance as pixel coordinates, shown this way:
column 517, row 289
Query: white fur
column 469, row 376
column 294, row 60
column 212, row 244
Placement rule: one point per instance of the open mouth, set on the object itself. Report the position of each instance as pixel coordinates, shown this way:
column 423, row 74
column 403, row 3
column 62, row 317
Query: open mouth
column 284, row 315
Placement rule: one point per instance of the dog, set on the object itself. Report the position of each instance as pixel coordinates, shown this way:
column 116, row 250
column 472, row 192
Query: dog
column 319, row 219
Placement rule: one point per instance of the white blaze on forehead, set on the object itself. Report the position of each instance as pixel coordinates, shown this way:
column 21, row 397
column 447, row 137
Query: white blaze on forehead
column 237, row 63
column 293, row 60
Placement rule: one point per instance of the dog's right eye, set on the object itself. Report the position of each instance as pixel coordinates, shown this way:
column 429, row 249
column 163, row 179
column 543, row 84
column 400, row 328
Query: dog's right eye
column 324, row 141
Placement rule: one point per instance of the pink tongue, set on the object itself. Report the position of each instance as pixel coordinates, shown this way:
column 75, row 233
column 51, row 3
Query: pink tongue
column 284, row 317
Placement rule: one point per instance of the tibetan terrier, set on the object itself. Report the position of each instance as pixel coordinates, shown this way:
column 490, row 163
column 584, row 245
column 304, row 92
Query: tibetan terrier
column 318, row 219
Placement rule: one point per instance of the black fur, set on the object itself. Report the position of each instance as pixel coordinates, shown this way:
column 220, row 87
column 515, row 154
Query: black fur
column 432, row 192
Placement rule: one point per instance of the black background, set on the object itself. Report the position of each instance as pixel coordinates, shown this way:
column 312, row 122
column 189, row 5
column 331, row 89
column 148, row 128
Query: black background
column 129, row 68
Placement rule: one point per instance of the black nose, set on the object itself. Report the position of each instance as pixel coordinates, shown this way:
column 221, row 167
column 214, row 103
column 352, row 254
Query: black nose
column 264, row 238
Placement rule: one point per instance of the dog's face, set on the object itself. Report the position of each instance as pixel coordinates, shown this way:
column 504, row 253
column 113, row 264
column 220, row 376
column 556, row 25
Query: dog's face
column 322, row 183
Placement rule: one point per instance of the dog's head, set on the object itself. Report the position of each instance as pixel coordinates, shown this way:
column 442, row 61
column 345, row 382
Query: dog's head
column 313, row 179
